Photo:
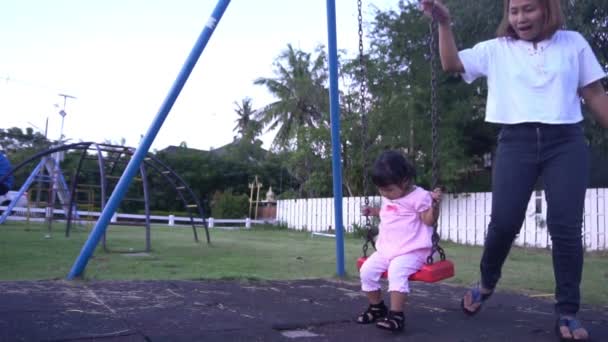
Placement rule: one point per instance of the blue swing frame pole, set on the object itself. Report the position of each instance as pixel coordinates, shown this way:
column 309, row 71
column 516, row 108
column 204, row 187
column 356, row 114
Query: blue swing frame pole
column 137, row 158
column 334, row 109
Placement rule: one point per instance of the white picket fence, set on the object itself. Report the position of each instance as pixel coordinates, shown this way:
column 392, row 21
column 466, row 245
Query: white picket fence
column 464, row 218
column 59, row 215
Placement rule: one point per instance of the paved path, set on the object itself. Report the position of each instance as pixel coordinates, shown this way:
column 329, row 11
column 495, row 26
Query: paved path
column 304, row 310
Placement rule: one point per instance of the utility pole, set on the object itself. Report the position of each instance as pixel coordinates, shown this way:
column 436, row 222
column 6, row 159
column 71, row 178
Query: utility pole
column 63, row 113
column 253, row 186
column 56, row 169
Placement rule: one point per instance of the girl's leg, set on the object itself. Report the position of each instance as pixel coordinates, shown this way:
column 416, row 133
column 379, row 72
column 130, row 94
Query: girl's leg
column 399, row 271
column 398, row 301
column 370, row 273
column 566, row 176
column 374, row 297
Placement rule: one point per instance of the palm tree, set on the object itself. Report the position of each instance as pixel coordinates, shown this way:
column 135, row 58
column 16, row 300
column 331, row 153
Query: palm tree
column 301, row 92
column 246, row 126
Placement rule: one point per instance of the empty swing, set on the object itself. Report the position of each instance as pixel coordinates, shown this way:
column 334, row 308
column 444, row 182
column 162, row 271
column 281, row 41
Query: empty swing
column 432, row 271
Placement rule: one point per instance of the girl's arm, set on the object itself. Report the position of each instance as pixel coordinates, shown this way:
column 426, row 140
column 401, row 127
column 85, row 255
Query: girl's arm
column 595, row 97
column 370, row 211
column 448, row 52
column 431, row 215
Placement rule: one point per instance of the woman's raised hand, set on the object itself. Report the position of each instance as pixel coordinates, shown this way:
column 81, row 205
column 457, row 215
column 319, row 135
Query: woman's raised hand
column 435, row 9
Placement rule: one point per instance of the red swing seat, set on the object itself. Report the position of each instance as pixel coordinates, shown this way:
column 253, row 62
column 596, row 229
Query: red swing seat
column 429, row 273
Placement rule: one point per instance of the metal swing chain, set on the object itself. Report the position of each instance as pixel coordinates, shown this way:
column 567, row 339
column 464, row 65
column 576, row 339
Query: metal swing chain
column 434, row 135
column 369, row 238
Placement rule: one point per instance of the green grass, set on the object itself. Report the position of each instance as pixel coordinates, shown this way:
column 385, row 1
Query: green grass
column 259, row 253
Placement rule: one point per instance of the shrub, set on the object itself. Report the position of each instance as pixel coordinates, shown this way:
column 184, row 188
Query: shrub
column 288, row 194
column 227, row 205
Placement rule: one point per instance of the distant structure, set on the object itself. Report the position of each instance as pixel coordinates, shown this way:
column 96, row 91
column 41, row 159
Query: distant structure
column 268, row 207
column 111, row 161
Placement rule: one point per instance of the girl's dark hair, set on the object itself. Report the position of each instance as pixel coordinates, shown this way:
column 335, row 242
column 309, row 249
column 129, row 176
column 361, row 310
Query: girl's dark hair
column 390, row 168
column 554, row 19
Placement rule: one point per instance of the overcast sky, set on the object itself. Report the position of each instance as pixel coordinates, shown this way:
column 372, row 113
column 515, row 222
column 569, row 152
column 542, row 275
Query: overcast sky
column 119, row 59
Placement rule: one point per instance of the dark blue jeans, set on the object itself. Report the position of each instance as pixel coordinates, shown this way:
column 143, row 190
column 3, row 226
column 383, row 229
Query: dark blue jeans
column 560, row 156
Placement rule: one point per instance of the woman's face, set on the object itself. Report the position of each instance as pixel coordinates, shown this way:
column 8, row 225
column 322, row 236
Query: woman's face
column 527, row 18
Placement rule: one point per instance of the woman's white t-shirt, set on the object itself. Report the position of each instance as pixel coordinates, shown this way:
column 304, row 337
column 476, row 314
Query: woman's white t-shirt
column 533, row 84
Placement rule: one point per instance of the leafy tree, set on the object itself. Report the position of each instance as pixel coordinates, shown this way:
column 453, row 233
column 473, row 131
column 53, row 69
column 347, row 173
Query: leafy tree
column 246, row 126
column 590, row 18
column 13, row 139
column 301, row 95
column 399, row 77
column 310, row 164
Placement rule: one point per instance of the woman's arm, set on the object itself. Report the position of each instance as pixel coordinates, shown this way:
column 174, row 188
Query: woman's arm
column 448, row 52
column 595, row 97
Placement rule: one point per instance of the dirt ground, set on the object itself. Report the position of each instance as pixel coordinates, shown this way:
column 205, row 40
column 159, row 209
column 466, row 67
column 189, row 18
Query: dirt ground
column 303, row 310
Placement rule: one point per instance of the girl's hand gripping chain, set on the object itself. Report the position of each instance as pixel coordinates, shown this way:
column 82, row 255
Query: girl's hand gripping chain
column 436, row 196
column 369, row 211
